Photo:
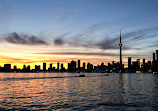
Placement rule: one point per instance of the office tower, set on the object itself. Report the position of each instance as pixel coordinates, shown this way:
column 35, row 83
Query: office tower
column 61, row 66
column 154, row 63
column 138, row 62
column 144, row 66
column 156, row 54
column 58, row 66
column 143, row 61
column 72, row 66
column 88, row 66
column 37, row 68
column 153, row 56
column 79, row 64
column 28, row 68
column 50, row 66
column 129, row 64
column 91, row 66
column 15, row 68
column 120, row 44
column 68, row 65
column 7, row 67
column 24, row 66
column 84, row 65
column 44, row 66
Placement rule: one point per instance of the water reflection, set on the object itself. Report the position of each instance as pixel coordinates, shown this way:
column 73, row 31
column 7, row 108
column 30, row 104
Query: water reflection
column 70, row 92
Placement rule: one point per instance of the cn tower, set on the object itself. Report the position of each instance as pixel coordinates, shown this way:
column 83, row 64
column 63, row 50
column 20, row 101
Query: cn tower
column 120, row 44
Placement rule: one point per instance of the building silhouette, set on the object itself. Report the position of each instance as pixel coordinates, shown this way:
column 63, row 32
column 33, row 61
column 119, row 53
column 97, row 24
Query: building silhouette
column 44, row 67
column 129, row 64
column 58, row 66
column 78, row 64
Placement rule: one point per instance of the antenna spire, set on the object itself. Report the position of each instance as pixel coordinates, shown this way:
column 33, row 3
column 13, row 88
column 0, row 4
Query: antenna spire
column 120, row 36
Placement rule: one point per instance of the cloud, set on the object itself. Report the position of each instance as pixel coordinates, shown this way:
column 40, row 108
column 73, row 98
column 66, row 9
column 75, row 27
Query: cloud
column 58, row 41
column 87, row 54
column 112, row 43
column 129, row 38
column 141, row 34
column 88, row 39
column 15, row 38
column 91, row 39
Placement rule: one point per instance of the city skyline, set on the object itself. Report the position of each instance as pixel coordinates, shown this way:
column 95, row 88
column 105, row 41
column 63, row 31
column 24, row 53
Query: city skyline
column 33, row 32
column 76, row 67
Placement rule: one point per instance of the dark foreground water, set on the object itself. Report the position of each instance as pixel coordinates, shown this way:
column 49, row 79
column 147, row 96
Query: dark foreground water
column 66, row 91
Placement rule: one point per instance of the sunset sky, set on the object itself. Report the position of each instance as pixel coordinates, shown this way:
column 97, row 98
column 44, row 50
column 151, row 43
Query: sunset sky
column 51, row 31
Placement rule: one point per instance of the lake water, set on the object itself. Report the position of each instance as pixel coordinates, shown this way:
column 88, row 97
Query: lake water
column 67, row 91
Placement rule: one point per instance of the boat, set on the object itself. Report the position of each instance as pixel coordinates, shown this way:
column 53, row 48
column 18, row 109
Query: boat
column 82, row 75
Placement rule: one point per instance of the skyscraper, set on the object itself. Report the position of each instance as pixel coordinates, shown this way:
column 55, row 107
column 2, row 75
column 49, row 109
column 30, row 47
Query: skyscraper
column 129, row 64
column 7, row 67
column 44, row 66
column 79, row 64
column 62, row 66
column 153, row 63
column 120, row 44
column 156, row 54
column 144, row 66
column 51, row 66
column 58, row 66
column 84, row 65
column 138, row 64
column 143, row 61
column 153, row 56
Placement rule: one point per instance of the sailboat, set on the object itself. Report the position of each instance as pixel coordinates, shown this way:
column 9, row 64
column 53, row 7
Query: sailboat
column 82, row 75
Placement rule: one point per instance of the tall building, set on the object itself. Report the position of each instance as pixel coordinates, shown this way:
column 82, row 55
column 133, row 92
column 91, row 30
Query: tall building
column 24, row 66
column 37, row 68
column 88, row 66
column 62, row 66
column 154, row 63
column 79, row 64
column 28, row 68
column 120, row 44
column 72, row 66
column 156, row 54
column 144, row 66
column 15, row 68
column 50, row 66
column 143, row 61
column 129, row 64
column 7, row 67
column 58, row 66
column 153, row 56
column 84, row 65
column 138, row 62
column 44, row 66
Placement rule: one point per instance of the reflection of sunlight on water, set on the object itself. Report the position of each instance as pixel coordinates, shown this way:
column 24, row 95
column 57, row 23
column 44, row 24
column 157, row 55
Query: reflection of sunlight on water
column 70, row 92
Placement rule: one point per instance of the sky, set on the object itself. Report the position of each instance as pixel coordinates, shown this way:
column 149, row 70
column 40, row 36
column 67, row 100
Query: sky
column 51, row 31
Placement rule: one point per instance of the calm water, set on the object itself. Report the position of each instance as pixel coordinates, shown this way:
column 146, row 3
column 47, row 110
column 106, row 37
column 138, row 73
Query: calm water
column 66, row 91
